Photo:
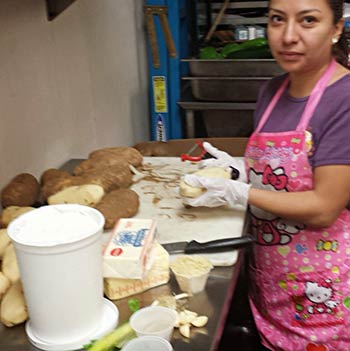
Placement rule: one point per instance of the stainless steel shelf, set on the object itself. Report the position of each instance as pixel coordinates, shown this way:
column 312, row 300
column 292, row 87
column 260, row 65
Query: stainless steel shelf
column 209, row 105
column 238, row 5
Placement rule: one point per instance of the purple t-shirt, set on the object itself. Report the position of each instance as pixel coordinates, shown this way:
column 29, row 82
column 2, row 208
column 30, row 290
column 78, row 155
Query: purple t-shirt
column 330, row 124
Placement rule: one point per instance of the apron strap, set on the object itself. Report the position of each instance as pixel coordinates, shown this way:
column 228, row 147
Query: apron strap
column 315, row 96
column 271, row 105
column 311, row 104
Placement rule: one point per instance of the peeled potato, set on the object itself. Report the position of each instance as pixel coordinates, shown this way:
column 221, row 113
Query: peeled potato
column 4, row 241
column 210, row 172
column 87, row 194
column 9, row 264
column 4, row 284
column 13, row 308
column 12, row 212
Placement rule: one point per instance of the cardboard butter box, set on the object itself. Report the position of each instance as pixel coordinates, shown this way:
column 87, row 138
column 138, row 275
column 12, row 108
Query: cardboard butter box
column 159, row 274
column 128, row 252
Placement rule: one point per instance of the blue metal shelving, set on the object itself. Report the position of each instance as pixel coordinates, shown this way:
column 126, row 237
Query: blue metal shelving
column 165, row 73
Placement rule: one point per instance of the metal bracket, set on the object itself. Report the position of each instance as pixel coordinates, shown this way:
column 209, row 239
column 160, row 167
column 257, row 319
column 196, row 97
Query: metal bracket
column 161, row 11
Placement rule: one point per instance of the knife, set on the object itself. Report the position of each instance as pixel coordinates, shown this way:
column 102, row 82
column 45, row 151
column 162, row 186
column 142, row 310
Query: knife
column 220, row 245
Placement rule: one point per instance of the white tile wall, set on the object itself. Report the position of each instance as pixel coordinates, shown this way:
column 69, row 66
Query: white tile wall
column 71, row 85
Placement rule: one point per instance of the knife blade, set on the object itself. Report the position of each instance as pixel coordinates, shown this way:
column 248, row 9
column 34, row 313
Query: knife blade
column 220, row 245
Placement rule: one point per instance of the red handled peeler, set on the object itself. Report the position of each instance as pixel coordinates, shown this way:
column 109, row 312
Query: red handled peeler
column 189, row 157
column 204, row 155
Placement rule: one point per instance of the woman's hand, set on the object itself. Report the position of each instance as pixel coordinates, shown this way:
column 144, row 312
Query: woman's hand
column 224, row 160
column 218, row 192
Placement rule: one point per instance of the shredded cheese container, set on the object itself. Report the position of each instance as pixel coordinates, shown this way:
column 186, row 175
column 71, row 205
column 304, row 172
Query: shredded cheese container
column 191, row 272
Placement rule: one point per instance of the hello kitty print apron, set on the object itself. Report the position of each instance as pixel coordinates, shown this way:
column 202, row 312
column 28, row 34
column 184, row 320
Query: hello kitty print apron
column 300, row 294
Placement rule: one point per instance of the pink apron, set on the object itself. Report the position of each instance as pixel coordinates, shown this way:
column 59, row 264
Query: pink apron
column 301, row 277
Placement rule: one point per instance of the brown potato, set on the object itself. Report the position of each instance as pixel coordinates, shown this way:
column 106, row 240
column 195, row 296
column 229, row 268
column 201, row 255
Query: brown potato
column 9, row 264
column 53, row 173
column 97, row 165
column 110, row 178
column 13, row 309
column 54, row 185
column 131, row 155
column 158, row 148
column 4, row 242
column 4, row 284
column 23, row 190
column 86, row 194
column 12, row 212
column 121, row 203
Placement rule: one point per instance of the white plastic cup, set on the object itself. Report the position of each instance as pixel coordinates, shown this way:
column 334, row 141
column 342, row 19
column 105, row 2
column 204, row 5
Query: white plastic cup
column 192, row 284
column 62, row 278
column 191, row 272
column 154, row 321
column 148, row 343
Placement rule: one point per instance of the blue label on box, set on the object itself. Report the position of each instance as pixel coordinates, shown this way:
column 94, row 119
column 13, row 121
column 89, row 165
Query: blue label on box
column 130, row 238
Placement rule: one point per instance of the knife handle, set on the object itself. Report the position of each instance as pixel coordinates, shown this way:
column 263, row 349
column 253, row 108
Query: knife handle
column 219, row 245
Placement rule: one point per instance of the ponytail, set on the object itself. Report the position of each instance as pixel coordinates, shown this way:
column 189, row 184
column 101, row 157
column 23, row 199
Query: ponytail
column 341, row 50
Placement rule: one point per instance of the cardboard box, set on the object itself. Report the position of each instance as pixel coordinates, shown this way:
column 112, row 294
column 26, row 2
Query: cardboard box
column 158, row 274
column 128, row 252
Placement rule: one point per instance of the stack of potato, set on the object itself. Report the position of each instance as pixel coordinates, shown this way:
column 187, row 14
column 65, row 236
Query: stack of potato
column 102, row 181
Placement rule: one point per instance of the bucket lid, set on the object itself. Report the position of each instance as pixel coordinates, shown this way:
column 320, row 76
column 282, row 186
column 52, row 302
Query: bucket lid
column 54, row 225
column 110, row 318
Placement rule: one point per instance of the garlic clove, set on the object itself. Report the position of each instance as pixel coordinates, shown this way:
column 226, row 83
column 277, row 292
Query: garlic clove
column 200, row 321
column 187, row 316
column 185, row 330
column 181, row 296
column 183, row 319
column 191, row 313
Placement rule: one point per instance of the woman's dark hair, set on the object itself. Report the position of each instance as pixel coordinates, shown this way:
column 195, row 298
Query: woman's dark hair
column 340, row 50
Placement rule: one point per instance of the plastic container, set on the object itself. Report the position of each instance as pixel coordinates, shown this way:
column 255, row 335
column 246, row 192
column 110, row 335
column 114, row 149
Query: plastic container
column 154, row 321
column 192, row 284
column 59, row 253
column 191, row 272
column 148, row 343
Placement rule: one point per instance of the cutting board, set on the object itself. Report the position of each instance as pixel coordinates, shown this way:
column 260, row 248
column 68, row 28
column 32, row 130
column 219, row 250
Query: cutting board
column 160, row 200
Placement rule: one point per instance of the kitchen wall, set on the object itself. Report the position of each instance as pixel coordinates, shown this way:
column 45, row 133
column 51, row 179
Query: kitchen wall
column 71, row 85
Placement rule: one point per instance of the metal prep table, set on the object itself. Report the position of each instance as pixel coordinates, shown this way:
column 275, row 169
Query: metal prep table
column 214, row 302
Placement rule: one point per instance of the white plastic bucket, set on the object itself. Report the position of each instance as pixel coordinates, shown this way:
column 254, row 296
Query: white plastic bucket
column 61, row 274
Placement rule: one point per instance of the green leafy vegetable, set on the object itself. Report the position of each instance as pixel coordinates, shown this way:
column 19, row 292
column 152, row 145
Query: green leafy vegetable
column 208, row 53
column 134, row 305
column 251, row 53
column 254, row 43
column 229, row 48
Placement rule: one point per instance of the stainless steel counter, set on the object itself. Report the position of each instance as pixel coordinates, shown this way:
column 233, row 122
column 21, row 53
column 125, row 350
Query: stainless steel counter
column 213, row 302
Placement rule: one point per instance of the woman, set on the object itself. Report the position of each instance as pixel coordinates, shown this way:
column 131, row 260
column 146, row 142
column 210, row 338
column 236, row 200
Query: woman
column 298, row 168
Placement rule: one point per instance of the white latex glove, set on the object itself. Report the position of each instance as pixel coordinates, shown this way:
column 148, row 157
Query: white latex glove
column 224, row 160
column 219, row 192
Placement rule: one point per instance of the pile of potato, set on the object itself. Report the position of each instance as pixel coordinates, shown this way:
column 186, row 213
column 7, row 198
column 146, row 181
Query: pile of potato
column 102, row 181
column 12, row 304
